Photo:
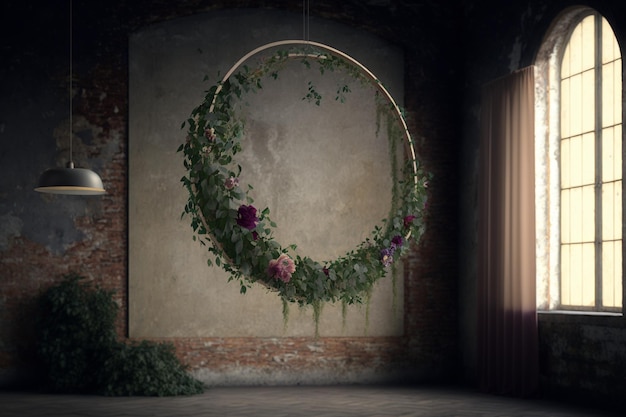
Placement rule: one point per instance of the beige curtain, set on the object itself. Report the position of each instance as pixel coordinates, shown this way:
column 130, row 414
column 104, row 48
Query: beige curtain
column 507, row 317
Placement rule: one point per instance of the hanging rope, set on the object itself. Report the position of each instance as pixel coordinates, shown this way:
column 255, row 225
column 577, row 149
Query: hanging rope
column 70, row 85
column 305, row 21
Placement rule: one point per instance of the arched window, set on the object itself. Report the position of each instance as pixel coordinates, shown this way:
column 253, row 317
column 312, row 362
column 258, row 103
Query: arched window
column 579, row 166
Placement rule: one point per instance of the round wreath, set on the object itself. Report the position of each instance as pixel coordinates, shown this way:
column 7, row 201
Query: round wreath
column 240, row 236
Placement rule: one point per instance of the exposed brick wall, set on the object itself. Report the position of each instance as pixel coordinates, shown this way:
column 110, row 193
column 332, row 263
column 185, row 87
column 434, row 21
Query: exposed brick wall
column 429, row 347
column 294, row 353
column 583, row 357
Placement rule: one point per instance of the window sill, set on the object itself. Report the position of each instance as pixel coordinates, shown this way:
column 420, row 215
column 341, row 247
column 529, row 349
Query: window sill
column 584, row 317
column 581, row 313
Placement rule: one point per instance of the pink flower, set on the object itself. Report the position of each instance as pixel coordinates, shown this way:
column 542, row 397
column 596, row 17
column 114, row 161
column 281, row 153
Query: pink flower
column 209, row 133
column 408, row 220
column 281, row 268
column 231, row 183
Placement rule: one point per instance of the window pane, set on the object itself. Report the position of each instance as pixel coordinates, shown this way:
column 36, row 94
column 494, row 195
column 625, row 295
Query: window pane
column 612, row 154
column 612, row 274
column 612, row 210
column 588, row 118
column 566, row 222
column 574, row 47
column 575, row 162
column 578, row 161
column 608, row 95
column 612, row 93
column 575, row 104
column 577, row 275
column 617, row 94
column 588, row 296
column 588, row 214
column 617, row 154
column 565, row 63
column 566, row 273
column 610, row 47
column 566, row 180
column 577, row 215
column 565, row 109
column 587, row 165
column 587, row 44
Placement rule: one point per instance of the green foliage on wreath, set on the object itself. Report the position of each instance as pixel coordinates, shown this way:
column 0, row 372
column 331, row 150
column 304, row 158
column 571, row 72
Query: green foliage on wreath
column 80, row 353
column 240, row 237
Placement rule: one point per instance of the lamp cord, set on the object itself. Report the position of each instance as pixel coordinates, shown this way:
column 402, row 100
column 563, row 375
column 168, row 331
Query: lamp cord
column 71, row 162
column 305, row 20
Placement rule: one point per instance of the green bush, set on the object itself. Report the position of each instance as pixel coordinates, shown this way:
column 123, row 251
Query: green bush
column 80, row 353
column 147, row 368
column 76, row 334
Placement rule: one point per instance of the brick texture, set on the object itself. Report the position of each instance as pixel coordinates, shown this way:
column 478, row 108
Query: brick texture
column 429, row 346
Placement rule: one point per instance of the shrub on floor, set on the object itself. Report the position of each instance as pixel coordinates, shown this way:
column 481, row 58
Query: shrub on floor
column 146, row 368
column 80, row 353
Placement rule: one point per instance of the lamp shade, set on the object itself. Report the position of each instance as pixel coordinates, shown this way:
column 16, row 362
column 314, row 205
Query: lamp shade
column 70, row 180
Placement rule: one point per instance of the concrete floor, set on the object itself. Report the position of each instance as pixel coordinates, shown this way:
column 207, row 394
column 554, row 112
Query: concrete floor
column 277, row 401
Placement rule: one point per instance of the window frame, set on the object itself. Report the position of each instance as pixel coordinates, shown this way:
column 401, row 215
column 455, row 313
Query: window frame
column 547, row 132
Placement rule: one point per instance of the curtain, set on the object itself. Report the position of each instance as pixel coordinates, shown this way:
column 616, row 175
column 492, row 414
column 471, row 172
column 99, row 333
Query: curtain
column 507, row 317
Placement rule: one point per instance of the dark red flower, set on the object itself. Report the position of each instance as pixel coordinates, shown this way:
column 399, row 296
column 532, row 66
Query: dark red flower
column 247, row 217
column 408, row 220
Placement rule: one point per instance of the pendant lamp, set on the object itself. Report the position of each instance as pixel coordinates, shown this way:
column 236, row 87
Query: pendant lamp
column 70, row 180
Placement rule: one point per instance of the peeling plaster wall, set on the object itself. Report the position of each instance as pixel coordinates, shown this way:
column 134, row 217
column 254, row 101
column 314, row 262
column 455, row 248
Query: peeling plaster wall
column 43, row 237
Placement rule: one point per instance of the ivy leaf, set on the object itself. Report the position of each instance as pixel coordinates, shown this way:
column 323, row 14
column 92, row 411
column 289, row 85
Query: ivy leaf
column 245, row 268
column 239, row 246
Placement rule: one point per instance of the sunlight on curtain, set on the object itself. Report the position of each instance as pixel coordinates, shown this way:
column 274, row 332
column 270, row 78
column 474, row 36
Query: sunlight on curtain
column 507, row 318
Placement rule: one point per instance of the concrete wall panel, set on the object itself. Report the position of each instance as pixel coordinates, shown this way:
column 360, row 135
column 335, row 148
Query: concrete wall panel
column 322, row 170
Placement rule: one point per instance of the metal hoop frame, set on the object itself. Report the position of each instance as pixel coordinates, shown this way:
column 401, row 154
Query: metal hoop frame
column 375, row 81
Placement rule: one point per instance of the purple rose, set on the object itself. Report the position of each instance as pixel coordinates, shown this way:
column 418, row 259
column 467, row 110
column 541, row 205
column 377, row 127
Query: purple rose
column 247, row 217
column 397, row 241
column 386, row 256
